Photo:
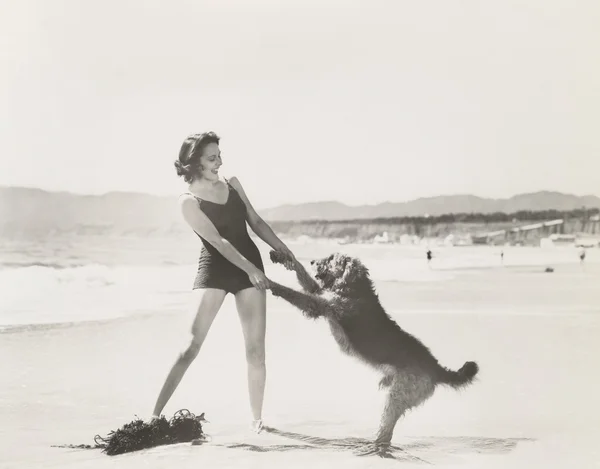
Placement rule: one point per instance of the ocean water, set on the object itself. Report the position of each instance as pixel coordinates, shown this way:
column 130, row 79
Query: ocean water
column 62, row 279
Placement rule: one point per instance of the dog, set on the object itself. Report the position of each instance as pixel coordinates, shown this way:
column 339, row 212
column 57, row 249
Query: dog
column 343, row 293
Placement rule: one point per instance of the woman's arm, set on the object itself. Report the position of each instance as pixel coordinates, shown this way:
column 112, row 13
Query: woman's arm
column 202, row 225
column 258, row 225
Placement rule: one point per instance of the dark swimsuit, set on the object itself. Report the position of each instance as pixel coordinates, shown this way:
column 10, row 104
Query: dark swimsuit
column 214, row 271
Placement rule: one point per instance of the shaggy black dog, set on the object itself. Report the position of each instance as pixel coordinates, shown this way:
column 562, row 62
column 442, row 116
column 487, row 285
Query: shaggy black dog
column 344, row 295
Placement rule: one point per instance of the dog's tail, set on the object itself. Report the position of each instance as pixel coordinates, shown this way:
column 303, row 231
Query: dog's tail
column 460, row 378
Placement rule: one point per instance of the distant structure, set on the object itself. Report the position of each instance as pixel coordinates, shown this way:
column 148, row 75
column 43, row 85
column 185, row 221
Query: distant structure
column 584, row 232
column 519, row 234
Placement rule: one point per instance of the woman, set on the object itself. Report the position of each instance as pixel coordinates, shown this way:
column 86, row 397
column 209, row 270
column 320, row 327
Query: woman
column 217, row 209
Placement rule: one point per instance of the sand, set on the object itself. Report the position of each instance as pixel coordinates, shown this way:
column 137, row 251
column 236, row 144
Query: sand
column 535, row 403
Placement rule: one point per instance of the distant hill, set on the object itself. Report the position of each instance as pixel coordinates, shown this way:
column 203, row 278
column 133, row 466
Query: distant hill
column 544, row 200
column 25, row 210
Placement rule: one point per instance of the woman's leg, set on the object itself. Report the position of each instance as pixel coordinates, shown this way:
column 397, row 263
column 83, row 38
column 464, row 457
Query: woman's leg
column 252, row 308
column 210, row 303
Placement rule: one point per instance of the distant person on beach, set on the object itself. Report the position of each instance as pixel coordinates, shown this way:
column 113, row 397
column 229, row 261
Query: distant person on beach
column 502, row 257
column 217, row 209
column 582, row 255
column 429, row 256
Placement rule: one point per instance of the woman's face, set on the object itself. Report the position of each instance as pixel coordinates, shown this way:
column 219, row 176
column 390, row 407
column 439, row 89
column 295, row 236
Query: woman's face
column 210, row 162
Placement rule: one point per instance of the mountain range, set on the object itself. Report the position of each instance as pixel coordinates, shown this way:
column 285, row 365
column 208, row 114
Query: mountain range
column 27, row 209
column 544, row 200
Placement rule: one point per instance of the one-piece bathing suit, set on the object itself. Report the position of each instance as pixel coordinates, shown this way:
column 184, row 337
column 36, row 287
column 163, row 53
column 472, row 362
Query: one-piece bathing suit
column 214, row 270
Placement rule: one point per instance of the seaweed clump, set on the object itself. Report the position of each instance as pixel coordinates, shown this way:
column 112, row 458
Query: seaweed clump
column 137, row 434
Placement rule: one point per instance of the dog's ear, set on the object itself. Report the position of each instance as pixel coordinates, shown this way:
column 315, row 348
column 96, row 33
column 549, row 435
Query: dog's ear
column 353, row 272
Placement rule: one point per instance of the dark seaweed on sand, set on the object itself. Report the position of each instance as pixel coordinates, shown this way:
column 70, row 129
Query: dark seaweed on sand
column 137, row 434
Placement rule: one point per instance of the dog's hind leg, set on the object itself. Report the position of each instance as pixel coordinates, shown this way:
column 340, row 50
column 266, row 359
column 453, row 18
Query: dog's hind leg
column 311, row 305
column 386, row 381
column 393, row 409
column 407, row 390
column 388, row 376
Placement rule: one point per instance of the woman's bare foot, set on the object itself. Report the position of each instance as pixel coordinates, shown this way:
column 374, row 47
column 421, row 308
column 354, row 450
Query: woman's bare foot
column 257, row 426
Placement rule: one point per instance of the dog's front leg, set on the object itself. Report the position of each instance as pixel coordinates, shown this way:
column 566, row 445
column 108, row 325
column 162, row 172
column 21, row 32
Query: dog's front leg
column 307, row 282
column 311, row 305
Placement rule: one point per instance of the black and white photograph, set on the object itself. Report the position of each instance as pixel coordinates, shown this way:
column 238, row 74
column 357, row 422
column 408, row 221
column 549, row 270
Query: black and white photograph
column 267, row 234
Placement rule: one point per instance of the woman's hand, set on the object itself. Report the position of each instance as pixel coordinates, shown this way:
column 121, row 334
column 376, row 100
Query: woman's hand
column 258, row 279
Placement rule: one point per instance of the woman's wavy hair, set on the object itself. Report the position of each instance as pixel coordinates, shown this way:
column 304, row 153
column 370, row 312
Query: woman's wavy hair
column 188, row 163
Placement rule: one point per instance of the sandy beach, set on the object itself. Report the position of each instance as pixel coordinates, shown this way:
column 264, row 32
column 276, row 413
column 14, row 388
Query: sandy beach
column 451, row 147
column 534, row 335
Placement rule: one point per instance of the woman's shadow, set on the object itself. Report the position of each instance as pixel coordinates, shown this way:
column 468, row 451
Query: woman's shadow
column 427, row 449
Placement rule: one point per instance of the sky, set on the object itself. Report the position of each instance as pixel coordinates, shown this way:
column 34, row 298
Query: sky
column 360, row 102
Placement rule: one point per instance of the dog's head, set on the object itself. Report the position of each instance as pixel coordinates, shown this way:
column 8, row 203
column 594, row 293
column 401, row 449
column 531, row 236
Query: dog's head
column 339, row 271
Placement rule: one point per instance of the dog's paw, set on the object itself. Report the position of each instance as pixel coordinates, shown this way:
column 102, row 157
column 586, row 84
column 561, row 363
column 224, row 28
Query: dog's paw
column 375, row 449
column 277, row 257
column 274, row 289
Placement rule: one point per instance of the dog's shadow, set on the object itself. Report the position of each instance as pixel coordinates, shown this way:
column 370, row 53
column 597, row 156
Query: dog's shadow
column 416, row 449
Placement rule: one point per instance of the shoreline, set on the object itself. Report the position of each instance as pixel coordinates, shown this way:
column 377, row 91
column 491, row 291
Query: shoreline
column 57, row 396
